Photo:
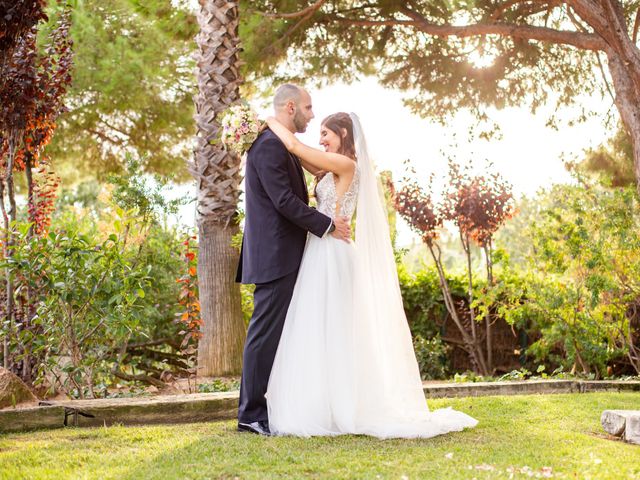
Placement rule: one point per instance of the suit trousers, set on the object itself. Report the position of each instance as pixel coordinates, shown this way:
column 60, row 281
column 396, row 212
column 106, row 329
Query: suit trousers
column 271, row 301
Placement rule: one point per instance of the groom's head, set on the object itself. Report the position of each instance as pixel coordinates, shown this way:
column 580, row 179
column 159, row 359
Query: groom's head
column 292, row 105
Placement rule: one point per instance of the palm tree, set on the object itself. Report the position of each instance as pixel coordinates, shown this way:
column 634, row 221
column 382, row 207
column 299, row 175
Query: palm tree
column 217, row 174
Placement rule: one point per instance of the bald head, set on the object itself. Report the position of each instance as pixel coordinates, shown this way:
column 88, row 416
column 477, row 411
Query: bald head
column 286, row 93
column 292, row 105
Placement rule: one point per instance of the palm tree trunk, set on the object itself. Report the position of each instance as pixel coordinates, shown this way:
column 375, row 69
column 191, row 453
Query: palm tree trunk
column 220, row 348
column 217, row 174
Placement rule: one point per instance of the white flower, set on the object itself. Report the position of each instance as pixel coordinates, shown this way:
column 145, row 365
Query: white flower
column 240, row 127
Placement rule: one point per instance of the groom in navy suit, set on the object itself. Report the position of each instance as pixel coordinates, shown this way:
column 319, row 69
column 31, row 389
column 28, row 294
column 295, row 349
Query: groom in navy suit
column 277, row 220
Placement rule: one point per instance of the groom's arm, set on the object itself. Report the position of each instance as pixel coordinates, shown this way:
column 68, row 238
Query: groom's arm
column 271, row 166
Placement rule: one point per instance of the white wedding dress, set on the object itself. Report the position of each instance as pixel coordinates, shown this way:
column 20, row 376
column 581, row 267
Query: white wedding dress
column 345, row 362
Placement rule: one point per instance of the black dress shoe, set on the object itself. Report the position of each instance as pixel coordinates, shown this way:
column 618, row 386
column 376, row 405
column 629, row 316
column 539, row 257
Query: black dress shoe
column 259, row 428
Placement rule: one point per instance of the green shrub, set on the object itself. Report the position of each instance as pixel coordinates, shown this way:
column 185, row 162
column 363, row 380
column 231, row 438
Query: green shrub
column 432, row 357
column 103, row 279
column 423, row 300
column 89, row 294
column 583, row 284
column 219, row 385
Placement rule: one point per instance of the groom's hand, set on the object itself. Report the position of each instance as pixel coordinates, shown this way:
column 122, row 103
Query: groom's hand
column 343, row 229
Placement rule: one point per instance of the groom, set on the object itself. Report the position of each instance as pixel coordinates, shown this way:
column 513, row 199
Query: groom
column 277, row 220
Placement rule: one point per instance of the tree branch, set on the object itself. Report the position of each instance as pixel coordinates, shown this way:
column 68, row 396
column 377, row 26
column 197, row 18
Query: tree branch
column 105, row 137
column 636, row 26
column 359, row 8
column 310, row 10
column 372, row 23
column 291, row 31
column 138, row 378
column 497, row 13
column 586, row 41
column 114, row 128
column 604, row 77
column 591, row 12
column 575, row 20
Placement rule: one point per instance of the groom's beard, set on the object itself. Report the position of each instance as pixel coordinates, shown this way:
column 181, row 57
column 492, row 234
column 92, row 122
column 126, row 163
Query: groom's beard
column 300, row 122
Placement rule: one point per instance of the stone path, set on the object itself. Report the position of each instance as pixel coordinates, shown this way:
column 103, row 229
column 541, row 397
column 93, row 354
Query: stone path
column 222, row 406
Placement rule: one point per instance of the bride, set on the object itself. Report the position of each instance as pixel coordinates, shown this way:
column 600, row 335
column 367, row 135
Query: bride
column 345, row 362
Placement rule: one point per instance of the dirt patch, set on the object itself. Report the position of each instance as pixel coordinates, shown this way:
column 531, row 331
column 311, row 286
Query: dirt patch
column 14, row 391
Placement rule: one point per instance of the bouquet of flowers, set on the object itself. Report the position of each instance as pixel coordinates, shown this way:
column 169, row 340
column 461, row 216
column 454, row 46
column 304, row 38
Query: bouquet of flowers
column 240, row 127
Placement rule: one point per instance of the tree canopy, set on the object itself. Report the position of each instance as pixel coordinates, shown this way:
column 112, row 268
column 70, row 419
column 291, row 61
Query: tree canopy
column 132, row 91
column 459, row 54
column 612, row 162
column 134, row 82
column 446, row 55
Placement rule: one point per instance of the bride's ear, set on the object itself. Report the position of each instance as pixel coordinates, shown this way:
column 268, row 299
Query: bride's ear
column 344, row 133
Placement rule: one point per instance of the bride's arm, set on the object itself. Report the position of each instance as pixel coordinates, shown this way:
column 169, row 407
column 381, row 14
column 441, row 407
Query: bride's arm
column 317, row 159
column 310, row 168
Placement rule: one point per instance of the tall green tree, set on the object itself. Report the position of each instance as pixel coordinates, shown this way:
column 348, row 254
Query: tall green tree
column 458, row 54
column 218, row 177
column 132, row 91
column 612, row 162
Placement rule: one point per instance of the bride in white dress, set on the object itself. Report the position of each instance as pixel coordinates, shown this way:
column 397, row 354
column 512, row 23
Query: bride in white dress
column 345, row 362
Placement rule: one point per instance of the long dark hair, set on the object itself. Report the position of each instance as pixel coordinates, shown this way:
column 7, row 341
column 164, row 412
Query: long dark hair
column 337, row 122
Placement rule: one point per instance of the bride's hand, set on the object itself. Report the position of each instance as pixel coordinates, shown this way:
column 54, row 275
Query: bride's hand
column 343, row 229
column 283, row 133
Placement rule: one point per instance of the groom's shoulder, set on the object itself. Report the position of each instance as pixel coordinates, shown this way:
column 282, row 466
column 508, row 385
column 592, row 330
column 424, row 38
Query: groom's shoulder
column 266, row 137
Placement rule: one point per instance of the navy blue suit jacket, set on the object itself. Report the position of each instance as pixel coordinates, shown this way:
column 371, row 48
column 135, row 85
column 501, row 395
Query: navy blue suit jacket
column 278, row 215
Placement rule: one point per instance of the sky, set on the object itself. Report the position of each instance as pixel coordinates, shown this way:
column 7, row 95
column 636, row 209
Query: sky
column 528, row 155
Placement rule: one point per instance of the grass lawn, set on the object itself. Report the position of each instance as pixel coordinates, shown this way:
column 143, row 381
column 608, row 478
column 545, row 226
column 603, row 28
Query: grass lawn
column 517, row 437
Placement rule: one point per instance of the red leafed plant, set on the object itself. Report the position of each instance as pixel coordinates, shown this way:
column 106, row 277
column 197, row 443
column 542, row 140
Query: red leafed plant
column 53, row 81
column 17, row 18
column 189, row 294
column 478, row 205
column 416, row 207
column 190, row 317
column 44, row 194
column 33, row 83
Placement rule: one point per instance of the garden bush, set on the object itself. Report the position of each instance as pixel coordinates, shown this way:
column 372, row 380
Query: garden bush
column 582, row 292
column 98, row 293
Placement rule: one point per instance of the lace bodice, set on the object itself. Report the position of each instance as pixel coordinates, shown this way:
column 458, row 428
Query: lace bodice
column 328, row 196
